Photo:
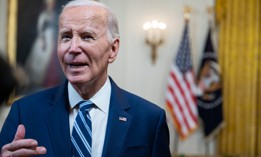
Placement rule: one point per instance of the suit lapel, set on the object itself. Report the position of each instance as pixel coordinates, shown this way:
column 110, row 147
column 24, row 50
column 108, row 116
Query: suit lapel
column 58, row 123
column 118, row 123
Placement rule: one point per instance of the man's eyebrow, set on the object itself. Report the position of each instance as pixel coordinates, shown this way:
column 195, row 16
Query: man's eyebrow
column 93, row 33
column 63, row 30
column 88, row 32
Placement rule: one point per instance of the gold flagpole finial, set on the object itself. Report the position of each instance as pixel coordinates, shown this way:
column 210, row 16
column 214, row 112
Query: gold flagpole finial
column 211, row 12
column 187, row 11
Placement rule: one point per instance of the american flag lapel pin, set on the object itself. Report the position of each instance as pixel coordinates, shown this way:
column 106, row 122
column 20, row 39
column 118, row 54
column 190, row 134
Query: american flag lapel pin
column 124, row 119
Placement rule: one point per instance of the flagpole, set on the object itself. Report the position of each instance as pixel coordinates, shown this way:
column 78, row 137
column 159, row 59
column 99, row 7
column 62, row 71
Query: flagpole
column 207, row 149
column 186, row 15
column 210, row 13
column 176, row 143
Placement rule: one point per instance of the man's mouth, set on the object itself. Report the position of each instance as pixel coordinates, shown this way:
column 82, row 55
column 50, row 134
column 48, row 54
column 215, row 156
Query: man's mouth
column 77, row 65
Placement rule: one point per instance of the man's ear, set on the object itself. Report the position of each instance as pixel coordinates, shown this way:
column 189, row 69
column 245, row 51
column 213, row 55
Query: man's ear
column 114, row 49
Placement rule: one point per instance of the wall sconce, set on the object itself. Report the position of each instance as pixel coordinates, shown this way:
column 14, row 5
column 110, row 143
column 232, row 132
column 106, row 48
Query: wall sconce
column 154, row 36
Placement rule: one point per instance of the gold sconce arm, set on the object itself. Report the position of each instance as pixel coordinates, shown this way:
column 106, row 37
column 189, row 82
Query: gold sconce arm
column 154, row 46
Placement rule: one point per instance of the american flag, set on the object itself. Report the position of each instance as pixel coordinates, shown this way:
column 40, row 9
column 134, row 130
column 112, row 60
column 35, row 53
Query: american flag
column 180, row 98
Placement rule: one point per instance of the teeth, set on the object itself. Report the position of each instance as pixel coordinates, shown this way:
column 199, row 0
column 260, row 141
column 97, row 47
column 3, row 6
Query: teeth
column 77, row 66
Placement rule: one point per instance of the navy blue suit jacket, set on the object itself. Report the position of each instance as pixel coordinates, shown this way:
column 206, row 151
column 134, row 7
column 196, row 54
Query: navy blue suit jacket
column 46, row 119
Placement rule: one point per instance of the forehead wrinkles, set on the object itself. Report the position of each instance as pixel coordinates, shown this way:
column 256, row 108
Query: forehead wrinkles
column 81, row 21
column 90, row 17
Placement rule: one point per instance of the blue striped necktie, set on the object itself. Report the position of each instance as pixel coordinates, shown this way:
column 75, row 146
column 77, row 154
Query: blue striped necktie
column 82, row 131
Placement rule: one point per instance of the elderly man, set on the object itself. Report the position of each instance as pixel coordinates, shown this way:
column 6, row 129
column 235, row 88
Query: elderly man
column 88, row 115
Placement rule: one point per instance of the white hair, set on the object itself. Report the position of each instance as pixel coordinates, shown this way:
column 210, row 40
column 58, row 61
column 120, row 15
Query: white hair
column 112, row 22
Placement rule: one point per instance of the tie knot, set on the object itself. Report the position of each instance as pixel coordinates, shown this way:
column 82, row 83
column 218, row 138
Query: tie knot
column 85, row 105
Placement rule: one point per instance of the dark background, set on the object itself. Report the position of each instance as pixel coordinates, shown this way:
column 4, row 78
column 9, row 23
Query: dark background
column 27, row 17
column 28, row 13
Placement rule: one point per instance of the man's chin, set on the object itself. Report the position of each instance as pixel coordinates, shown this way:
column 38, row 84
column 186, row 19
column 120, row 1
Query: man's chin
column 76, row 81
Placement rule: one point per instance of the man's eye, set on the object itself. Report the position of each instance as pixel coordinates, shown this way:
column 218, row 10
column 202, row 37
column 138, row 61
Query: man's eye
column 87, row 38
column 65, row 37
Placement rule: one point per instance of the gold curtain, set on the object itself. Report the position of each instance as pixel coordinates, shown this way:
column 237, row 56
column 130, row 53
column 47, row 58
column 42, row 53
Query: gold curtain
column 239, row 50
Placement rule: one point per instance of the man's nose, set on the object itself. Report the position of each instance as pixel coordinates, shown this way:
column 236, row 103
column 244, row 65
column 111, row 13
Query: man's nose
column 75, row 45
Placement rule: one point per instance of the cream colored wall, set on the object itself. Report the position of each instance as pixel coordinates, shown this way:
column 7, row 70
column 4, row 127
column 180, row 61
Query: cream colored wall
column 133, row 70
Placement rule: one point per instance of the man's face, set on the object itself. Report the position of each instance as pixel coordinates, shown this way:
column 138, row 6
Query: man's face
column 84, row 51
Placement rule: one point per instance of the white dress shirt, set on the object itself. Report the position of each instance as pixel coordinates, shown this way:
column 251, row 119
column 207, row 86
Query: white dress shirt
column 99, row 114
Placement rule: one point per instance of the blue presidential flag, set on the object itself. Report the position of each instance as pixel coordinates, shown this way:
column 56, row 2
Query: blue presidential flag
column 210, row 84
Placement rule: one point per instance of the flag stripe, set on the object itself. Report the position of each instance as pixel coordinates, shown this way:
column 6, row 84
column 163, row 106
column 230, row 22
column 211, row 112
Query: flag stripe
column 191, row 97
column 178, row 97
column 185, row 97
column 174, row 118
column 178, row 110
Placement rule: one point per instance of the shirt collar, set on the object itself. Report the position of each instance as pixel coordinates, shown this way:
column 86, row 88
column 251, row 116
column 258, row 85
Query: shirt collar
column 101, row 99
